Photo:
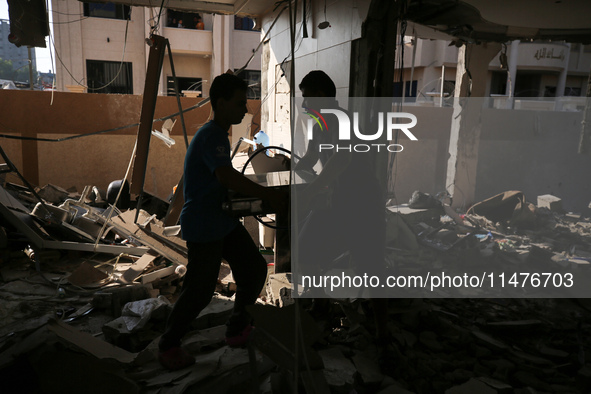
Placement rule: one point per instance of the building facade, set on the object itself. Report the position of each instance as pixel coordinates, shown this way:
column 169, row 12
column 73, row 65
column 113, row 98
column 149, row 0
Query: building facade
column 101, row 48
column 532, row 69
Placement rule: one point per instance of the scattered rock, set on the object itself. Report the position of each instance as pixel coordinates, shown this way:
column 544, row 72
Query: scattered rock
column 338, row 369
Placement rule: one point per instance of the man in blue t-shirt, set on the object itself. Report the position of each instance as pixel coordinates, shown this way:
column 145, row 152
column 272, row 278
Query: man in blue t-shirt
column 212, row 234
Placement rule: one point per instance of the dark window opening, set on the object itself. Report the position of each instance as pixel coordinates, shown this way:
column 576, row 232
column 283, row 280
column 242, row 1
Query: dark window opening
column 570, row 91
column 109, row 77
column 528, row 84
column 253, row 79
column 244, row 23
column 194, row 84
column 184, row 20
column 410, row 90
column 107, row 10
column 498, row 84
column 550, row 91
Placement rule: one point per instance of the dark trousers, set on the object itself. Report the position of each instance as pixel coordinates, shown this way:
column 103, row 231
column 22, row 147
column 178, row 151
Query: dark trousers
column 249, row 269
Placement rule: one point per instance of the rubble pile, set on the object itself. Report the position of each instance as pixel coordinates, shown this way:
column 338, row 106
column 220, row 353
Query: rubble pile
column 79, row 315
column 506, row 236
column 460, row 346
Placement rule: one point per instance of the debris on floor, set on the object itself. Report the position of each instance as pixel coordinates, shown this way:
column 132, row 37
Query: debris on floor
column 79, row 315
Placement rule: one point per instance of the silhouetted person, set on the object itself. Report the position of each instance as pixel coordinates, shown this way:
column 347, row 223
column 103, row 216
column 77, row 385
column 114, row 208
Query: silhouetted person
column 211, row 233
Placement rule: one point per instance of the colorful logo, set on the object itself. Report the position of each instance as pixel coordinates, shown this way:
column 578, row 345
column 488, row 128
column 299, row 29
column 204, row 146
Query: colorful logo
column 316, row 118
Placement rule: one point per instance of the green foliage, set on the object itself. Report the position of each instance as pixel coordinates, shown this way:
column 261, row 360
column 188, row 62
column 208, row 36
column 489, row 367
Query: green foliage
column 22, row 75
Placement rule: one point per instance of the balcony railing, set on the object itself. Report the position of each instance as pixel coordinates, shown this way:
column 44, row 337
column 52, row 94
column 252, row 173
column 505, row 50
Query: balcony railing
column 189, row 41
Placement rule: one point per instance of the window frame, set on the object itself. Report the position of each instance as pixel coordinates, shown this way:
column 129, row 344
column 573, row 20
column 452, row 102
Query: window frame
column 113, row 88
column 122, row 12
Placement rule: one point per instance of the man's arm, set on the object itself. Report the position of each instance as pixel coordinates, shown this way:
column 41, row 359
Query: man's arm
column 232, row 179
column 333, row 168
column 310, row 158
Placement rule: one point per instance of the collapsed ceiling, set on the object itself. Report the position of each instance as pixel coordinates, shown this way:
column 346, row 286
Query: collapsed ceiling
column 467, row 20
column 504, row 20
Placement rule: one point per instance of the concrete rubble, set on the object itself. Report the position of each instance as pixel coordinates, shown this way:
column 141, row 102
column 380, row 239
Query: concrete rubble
column 78, row 320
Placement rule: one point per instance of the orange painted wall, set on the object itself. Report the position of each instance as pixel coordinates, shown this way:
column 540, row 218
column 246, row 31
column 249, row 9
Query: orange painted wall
column 98, row 159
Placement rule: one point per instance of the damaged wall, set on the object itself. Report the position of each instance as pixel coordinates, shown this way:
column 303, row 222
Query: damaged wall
column 421, row 165
column 187, row 66
column 325, row 49
column 538, row 158
column 531, row 151
column 93, row 160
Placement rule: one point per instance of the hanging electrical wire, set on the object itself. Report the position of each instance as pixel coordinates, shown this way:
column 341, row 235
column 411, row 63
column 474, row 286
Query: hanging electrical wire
column 198, row 105
column 155, row 28
column 79, row 82
column 399, row 64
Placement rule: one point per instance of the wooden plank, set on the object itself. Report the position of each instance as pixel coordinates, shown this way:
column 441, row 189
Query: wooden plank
column 155, row 275
column 89, row 344
column 150, row 95
column 124, row 224
column 100, row 248
column 137, row 268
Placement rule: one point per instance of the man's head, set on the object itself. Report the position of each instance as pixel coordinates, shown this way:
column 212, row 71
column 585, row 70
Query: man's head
column 228, row 97
column 317, row 84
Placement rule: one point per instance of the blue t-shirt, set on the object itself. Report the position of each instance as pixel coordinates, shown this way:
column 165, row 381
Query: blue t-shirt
column 202, row 217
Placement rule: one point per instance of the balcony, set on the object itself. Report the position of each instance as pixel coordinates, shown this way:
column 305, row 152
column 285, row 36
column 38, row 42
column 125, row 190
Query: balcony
column 189, row 41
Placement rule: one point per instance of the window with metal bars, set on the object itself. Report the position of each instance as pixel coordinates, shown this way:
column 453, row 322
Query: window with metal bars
column 109, row 77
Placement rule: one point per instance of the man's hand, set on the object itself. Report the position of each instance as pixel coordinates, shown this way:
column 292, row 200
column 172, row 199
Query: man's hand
column 279, row 201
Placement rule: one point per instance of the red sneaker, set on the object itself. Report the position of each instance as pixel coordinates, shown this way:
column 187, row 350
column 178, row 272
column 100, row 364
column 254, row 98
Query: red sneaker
column 240, row 339
column 175, row 358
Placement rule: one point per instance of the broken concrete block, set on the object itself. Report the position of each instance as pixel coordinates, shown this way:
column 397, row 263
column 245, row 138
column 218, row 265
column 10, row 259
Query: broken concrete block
column 113, row 299
column 584, row 377
column 216, row 313
column 502, row 388
column 515, row 325
column 489, row 341
column 136, row 314
column 539, row 361
column 314, row 381
column 472, row 386
column 275, row 335
column 557, row 353
column 133, row 331
column 368, row 368
column 551, row 202
column 429, row 339
column 338, row 369
column 279, row 289
column 203, row 340
column 459, row 375
column 529, row 379
column 114, row 330
column 28, row 289
column 572, row 217
column 395, row 389
column 53, row 194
